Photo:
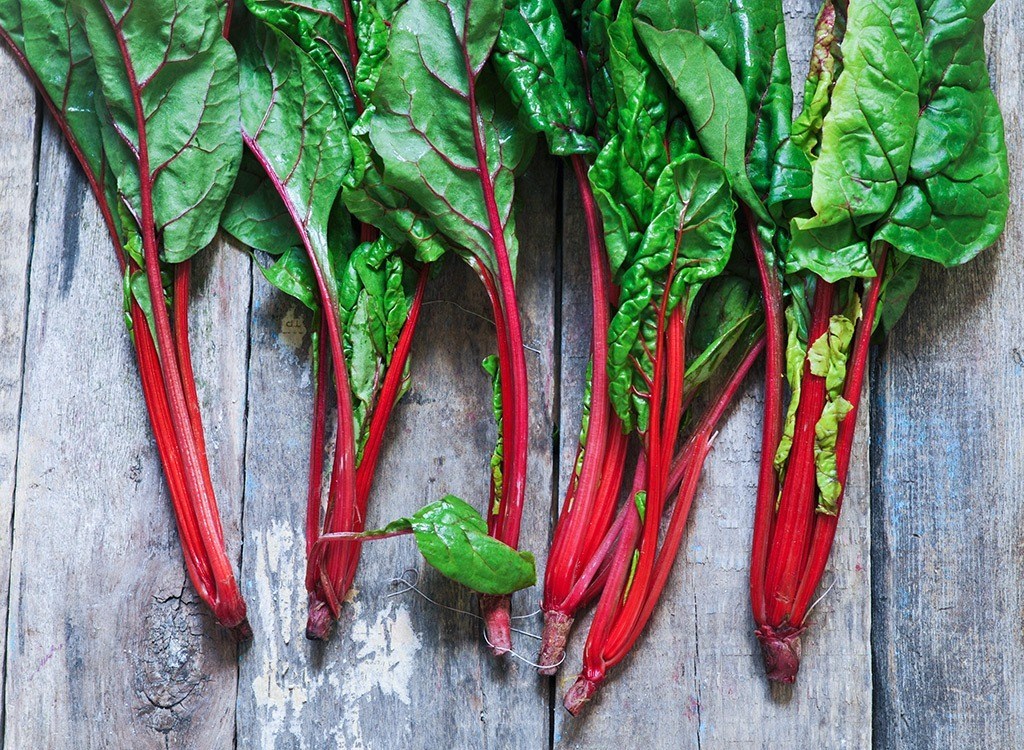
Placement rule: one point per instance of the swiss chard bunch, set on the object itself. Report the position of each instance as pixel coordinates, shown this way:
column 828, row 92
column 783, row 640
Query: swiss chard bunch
column 150, row 107
column 441, row 143
column 903, row 141
column 364, row 287
column 667, row 193
column 543, row 73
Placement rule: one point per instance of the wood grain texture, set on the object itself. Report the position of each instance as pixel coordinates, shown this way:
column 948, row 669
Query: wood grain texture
column 19, row 155
column 108, row 645
column 695, row 679
column 947, row 477
column 399, row 671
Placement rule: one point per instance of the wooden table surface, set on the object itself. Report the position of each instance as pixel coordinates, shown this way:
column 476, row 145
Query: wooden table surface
column 917, row 644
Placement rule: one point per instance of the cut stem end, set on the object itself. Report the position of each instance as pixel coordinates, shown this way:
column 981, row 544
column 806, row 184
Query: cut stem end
column 553, row 639
column 320, row 622
column 781, row 651
column 497, row 614
column 579, row 695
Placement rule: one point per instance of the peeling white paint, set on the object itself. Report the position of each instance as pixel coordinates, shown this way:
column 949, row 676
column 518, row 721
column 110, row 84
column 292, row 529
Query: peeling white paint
column 380, row 660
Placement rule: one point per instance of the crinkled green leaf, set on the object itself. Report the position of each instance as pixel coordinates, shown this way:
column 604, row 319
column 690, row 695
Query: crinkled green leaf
column 827, row 355
column 540, row 70
column 491, row 365
column 452, row 537
column 796, row 354
column 317, row 27
column 826, row 65
column 373, row 202
column 729, row 309
column 627, row 169
column 374, row 306
column 956, row 201
column 689, row 238
column 187, row 82
column 433, row 94
column 595, row 18
column 255, row 215
column 286, row 93
column 826, row 432
column 292, row 273
column 866, row 138
column 902, row 275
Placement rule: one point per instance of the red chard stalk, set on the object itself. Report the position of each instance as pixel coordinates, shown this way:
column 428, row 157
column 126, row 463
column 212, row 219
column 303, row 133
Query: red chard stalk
column 894, row 180
column 160, row 170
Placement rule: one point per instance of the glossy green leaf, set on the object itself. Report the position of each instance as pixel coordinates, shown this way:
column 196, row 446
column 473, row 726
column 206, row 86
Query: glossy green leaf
column 729, row 310
column 956, row 201
column 292, row 273
column 372, row 201
column 452, row 537
column 627, row 169
column 318, row 28
column 902, row 275
column 713, row 98
column 287, row 93
column 171, row 61
column 866, row 138
column 255, row 215
column 542, row 73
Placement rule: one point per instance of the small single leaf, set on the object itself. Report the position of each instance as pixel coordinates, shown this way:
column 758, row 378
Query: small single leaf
column 452, row 536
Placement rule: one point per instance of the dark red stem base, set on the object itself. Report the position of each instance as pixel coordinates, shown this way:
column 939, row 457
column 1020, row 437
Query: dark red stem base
column 320, row 622
column 781, row 650
column 580, row 694
column 553, row 639
column 497, row 614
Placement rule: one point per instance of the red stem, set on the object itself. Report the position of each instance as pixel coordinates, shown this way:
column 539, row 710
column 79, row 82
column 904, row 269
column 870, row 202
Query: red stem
column 316, row 447
column 767, row 485
column 824, row 523
column 228, row 606
column 789, row 544
column 576, row 524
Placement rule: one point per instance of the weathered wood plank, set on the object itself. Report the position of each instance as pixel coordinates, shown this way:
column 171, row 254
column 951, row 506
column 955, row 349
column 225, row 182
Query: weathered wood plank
column 108, row 645
column 19, row 155
column 695, row 679
column 947, row 480
column 399, row 671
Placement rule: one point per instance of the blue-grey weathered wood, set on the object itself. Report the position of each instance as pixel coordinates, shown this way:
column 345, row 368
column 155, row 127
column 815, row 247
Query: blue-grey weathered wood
column 398, row 671
column 947, row 479
column 108, row 646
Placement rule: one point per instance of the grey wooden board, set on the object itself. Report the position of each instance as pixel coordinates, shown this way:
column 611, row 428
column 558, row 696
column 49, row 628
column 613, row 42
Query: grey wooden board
column 107, row 646
column 18, row 157
column 947, row 478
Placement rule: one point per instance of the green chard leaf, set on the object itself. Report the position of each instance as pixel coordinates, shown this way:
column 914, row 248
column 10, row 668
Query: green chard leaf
column 174, row 61
column 729, row 309
column 827, row 357
column 688, row 241
column 491, row 366
column 317, row 27
column 796, row 354
column 434, row 95
column 452, row 537
column 542, row 73
column 956, row 201
column 709, row 90
column 286, row 91
column 866, row 140
column 902, row 275
column 627, row 169
column 254, row 214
